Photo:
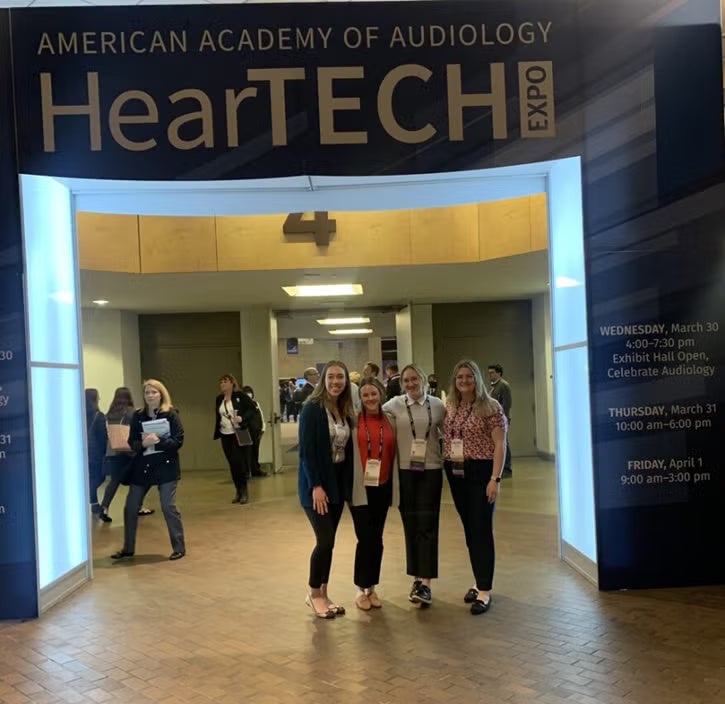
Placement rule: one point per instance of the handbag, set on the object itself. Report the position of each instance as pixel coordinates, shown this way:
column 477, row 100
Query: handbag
column 118, row 437
column 244, row 437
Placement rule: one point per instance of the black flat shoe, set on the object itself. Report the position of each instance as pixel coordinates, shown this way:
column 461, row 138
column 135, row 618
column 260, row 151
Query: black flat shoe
column 120, row 554
column 413, row 590
column 471, row 596
column 244, row 497
column 176, row 555
column 480, row 607
column 104, row 517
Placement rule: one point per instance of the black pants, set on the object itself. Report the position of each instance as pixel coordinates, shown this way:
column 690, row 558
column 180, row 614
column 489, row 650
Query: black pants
column 117, row 466
column 369, row 524
column 239, row 459
column 420, row 508
column 256, row 468
column 95, row 479
column 469, row 497
column 325, row 528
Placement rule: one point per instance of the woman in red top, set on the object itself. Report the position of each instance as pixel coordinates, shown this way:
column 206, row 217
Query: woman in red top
column 475, row 449
column 375, row 488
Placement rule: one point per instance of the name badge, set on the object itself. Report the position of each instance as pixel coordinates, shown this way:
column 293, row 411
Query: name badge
column 372, row 473
column 417, row 455
column 457, row 450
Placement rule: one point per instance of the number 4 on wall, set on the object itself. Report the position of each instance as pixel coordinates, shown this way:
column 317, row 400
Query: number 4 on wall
column 321, row 227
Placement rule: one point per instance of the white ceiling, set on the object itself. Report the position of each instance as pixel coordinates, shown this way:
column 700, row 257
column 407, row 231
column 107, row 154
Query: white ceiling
column 513, row 277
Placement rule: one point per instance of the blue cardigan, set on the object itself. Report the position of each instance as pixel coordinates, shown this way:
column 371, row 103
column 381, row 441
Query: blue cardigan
column 315, row 453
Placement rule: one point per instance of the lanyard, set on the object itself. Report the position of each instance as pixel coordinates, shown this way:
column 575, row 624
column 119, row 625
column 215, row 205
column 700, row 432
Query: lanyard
column 412, row 423
column 227, row 414
column 370, row 445
column 462, row 427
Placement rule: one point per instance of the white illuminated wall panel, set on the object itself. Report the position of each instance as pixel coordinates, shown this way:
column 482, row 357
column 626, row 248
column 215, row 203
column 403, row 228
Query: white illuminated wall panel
column 58, row 418
column 571, row 363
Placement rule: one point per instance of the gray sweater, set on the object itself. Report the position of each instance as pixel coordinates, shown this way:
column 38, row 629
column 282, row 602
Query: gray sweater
column 404, row 437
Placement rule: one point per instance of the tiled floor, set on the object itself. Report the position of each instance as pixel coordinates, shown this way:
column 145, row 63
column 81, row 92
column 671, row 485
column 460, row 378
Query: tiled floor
column 227, row 623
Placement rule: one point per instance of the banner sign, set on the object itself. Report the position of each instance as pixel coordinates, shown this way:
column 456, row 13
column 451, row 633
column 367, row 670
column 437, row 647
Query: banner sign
column 18, row 577
column 213, row 92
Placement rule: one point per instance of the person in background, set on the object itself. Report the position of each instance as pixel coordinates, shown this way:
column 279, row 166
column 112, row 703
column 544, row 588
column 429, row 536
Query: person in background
column 418, row 430
column 285, row 398
column 118, row 461
column 474, row 448
column 155, row 463
column 370, row 370
column 293, row 407
column 501, row 391
column 234, row 410
column 375, row 489
column 259, row 427
column 392, row 387
column 97, row 438
column 325, row 476
column 434, row 388
column 355, row 378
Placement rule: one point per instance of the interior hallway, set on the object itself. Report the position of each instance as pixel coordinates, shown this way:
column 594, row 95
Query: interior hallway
column 228, row 623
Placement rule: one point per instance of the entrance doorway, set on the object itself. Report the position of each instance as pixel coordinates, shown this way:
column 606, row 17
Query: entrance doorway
column 55, row 294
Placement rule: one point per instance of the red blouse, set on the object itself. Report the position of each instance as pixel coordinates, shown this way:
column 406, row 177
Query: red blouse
column 371, row 424
column 476, row 431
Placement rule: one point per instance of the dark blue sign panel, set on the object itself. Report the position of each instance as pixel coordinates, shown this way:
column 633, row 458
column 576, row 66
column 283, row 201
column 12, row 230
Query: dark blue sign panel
column 634, row 88
column 18, row 577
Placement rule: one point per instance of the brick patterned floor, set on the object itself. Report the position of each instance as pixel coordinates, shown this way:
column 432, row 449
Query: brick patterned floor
column 228, row 624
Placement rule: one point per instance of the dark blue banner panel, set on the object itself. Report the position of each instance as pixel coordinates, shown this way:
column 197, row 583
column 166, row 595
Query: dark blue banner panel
column 18, row 576
column 634, row 88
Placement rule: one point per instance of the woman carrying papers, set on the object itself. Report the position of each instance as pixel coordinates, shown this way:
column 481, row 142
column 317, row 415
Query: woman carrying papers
column 155, row 438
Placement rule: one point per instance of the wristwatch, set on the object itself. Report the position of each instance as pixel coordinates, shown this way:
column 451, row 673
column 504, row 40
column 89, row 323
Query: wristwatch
column 497, row 479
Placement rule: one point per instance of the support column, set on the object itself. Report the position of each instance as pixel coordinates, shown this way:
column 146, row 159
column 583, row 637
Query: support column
column 259, row 370
column 414, row 331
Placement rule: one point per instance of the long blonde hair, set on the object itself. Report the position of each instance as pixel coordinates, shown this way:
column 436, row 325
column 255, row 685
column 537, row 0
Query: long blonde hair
column 165, row 405
column 483, row 404
column 344, row 400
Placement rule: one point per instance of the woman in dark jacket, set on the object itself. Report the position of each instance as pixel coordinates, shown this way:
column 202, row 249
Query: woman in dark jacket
column 259, row 429
column 97, row 438
column 325, row 476
column 155, row 463
column 234, row 410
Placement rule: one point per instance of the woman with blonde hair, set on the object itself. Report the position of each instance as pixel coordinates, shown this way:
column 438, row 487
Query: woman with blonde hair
column 475, row 449
column 155, row 437
column 418, row 428
column 324, row 479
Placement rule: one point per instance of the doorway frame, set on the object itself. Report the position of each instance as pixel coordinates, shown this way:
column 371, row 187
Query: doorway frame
column 560, row 180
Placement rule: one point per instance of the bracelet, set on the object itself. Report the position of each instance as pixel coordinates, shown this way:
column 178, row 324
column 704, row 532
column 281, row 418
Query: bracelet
column 496, row 479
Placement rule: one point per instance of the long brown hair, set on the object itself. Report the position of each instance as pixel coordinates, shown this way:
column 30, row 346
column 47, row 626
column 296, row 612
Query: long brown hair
column 483, row 404
column 344, row 400
column 122, row 401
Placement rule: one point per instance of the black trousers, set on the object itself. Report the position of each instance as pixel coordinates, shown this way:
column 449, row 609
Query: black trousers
column 117, row 464
column 369, row 522
column 507, row 460
column 325, row 528
column 239, row 459
column 469, row 497
column 420, row 508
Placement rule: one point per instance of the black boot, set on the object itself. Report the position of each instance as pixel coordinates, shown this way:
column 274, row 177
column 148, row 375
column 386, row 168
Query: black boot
column 237, row 496
column 243, row 496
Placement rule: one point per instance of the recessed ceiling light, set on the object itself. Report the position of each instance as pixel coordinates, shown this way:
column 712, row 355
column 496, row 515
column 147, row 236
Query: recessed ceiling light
column 324, row 290
column 100, row 302
column 352, row 331
column 343, row 321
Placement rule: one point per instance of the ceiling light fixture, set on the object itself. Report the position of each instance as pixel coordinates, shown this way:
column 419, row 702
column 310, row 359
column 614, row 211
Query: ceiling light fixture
column 352, row 331
column 324, row 290
column 100, row 302
column 343, row 321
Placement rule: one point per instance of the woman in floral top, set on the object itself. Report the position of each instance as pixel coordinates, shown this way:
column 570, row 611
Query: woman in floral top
column 475, row 448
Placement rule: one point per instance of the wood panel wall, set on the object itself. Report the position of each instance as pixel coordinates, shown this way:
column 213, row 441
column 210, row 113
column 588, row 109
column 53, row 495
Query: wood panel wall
column 465, row 233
